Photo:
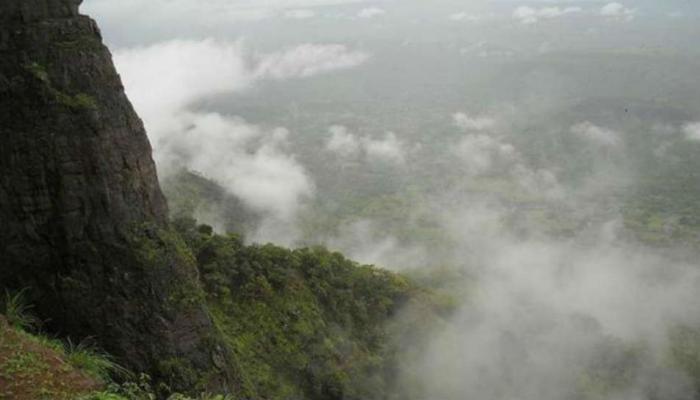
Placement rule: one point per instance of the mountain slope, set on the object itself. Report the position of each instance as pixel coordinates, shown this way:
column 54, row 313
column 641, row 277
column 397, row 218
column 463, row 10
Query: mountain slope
column 84, row 220
column 36, row 368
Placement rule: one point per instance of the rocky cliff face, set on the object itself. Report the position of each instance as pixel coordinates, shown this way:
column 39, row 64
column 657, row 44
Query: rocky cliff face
column 83, row 220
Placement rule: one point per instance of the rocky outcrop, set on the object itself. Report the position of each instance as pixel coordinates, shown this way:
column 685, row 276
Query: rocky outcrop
column 83, row 220
column 35, row 10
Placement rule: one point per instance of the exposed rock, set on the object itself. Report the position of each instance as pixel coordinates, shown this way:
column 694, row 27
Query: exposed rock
column 84, row 222
column 33, row 10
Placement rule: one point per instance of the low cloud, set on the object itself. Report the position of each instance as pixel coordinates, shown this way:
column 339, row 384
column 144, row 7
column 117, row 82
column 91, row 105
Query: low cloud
column 307, row 60
column 388, row 148
column 478, row 150
column 473, row 123
column 299, row 14
column 248, row 160
column 361, row 241
column 617, row 11
column 485, row 155
column 346, row 144
column 481, row 153
column 549, row 316
column 692, row 131
column 252, row 162
column 343, row 142
column 482, row 50
column 469, row 17
column 216, row 11
column 167, row 77
column 371, row 12
column 529, row 15
column 597, row 135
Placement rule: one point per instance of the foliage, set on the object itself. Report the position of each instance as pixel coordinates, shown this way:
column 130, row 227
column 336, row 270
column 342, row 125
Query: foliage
column 17, row 311
column 157, row 249
column 141, row 389
column 303, row 324
column 35, row 367
column 664, row 208
column 38, row 71
column 138, row 388
column 612, row 367
column 191, row 195
column 103, row 396
column 81, row 43
column 92, row 361
column 203, row 396
column 78, row 101
column 684, row 352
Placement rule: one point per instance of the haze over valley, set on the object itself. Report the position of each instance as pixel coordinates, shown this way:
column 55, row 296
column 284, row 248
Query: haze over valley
column 543, row 154
column 527, row 171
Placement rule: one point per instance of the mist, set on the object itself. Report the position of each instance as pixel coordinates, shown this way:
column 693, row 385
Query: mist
column 546, row 151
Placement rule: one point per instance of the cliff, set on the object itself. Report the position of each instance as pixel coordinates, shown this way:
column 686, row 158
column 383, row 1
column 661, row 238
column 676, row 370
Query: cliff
column 84, row 222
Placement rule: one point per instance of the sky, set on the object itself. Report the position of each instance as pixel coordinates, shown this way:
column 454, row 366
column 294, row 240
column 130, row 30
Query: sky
column 158, row 20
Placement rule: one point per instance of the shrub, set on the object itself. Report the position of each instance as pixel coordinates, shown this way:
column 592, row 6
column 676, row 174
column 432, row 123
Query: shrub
column 103, row 396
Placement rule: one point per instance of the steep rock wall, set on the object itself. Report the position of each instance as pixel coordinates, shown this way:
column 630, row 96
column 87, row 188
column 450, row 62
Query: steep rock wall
column 83, row 220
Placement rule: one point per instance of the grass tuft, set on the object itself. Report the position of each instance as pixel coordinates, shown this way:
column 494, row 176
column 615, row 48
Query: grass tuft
column 17, row 311
column 92, row 361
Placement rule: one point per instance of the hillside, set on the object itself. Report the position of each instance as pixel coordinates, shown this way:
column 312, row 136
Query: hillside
column 36, row 368
column 301, row 324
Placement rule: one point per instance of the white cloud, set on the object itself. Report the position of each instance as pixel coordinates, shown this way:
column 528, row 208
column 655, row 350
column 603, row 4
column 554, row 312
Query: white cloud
column 473, row 123
column 361, row 241
column 553, row 12
column 540, row 182
column 692, row 131
column 480, row 153
column 388, row 148
column 526, row 15
column 543, row 306
column 371, row 12
column 617, row 11
column 529, row 15
column 596, row 134
column 299, row 14
column 458, row 16
column 483, row 50
column 348, row 145
column 186, row 11
column 126, row 23
column 167, row 77
column 343, row 142
column 465, row 16
column 250, row 161
column 478, row 150
column 308, row 60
